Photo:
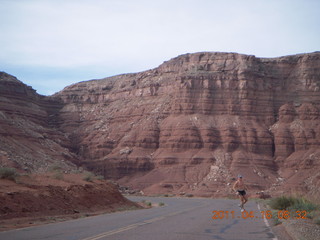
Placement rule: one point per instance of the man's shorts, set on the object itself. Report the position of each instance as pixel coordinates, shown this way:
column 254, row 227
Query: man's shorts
column 242, row 193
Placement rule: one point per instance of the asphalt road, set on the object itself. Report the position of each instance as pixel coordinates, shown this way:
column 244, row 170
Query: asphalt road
column 180, row 218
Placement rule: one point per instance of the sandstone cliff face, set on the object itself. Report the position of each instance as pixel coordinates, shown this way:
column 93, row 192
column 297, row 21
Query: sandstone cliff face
column 29, row 139
column 195, row 122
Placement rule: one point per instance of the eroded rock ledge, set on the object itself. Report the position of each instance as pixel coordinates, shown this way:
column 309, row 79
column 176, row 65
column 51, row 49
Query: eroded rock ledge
column 194, row 123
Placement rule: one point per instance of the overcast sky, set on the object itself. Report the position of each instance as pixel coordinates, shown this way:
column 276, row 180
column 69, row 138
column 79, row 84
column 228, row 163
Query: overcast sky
column 50, row 44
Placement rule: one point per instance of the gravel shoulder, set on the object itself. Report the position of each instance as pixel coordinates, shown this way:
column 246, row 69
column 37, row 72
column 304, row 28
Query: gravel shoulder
column 294, row 229
column 302, row 229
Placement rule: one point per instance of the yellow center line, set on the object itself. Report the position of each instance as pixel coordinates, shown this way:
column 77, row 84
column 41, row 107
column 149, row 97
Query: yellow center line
column 109, row 233
column 126, row 228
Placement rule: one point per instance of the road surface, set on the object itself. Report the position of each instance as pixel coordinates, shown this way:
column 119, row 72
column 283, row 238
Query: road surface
column 180, row 218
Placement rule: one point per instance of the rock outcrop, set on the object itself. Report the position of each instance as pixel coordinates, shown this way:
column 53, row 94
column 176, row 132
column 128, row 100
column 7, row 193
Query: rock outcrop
column 195, row 122
column 30, row 138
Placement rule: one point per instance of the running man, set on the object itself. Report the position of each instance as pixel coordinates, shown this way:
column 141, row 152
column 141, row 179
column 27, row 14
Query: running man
column 241, row 188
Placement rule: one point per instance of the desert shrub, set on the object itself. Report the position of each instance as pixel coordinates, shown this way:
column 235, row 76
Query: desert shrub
column 161, row 204
column 291, row 203
column 275, row 219
column 99, row 177
column 55, row 168
column 8, row 173
column 311, row 215
column 149, row 204
column 88, row 177
column 282, row 203
column 303, row 204
column 58, row 175
column 295, row 204
column 317, row 220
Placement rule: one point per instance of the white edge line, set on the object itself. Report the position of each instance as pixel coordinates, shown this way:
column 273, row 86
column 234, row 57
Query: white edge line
column 267, row 224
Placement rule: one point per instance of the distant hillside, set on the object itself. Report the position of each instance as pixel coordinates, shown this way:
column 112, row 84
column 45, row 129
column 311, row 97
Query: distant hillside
column 189, row 126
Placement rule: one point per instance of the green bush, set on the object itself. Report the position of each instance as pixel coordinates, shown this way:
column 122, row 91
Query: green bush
column 55, row 168
column 282, row 203
column 295, row 205
column 276, row 220
column 302, row 204
column 58, row 175
column 311, row 215
column 8, row 173
column 100, row 177
column 88, row 177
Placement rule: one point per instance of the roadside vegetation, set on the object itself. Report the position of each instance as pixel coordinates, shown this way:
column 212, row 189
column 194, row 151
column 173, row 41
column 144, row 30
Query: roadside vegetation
column 89, row 177
column 8, row 173
column 289, row 207
column 146, row 203
column 59, row 173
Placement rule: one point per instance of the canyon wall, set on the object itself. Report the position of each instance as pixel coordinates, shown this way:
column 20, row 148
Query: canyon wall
column 193, row 123
column 30, row 139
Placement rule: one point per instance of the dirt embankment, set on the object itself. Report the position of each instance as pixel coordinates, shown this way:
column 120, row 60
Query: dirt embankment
column 44, row 198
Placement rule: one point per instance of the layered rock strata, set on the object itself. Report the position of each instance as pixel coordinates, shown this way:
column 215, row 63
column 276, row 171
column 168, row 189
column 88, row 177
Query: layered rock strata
column 195, row 122
column 30, row 138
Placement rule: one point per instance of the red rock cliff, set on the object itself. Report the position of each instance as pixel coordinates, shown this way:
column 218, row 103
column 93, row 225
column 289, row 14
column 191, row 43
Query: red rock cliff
column 29, row 135
column 197, row 120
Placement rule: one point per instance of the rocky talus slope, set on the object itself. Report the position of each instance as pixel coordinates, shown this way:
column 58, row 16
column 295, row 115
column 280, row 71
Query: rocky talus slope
column 30, row 138
column 193, row 123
